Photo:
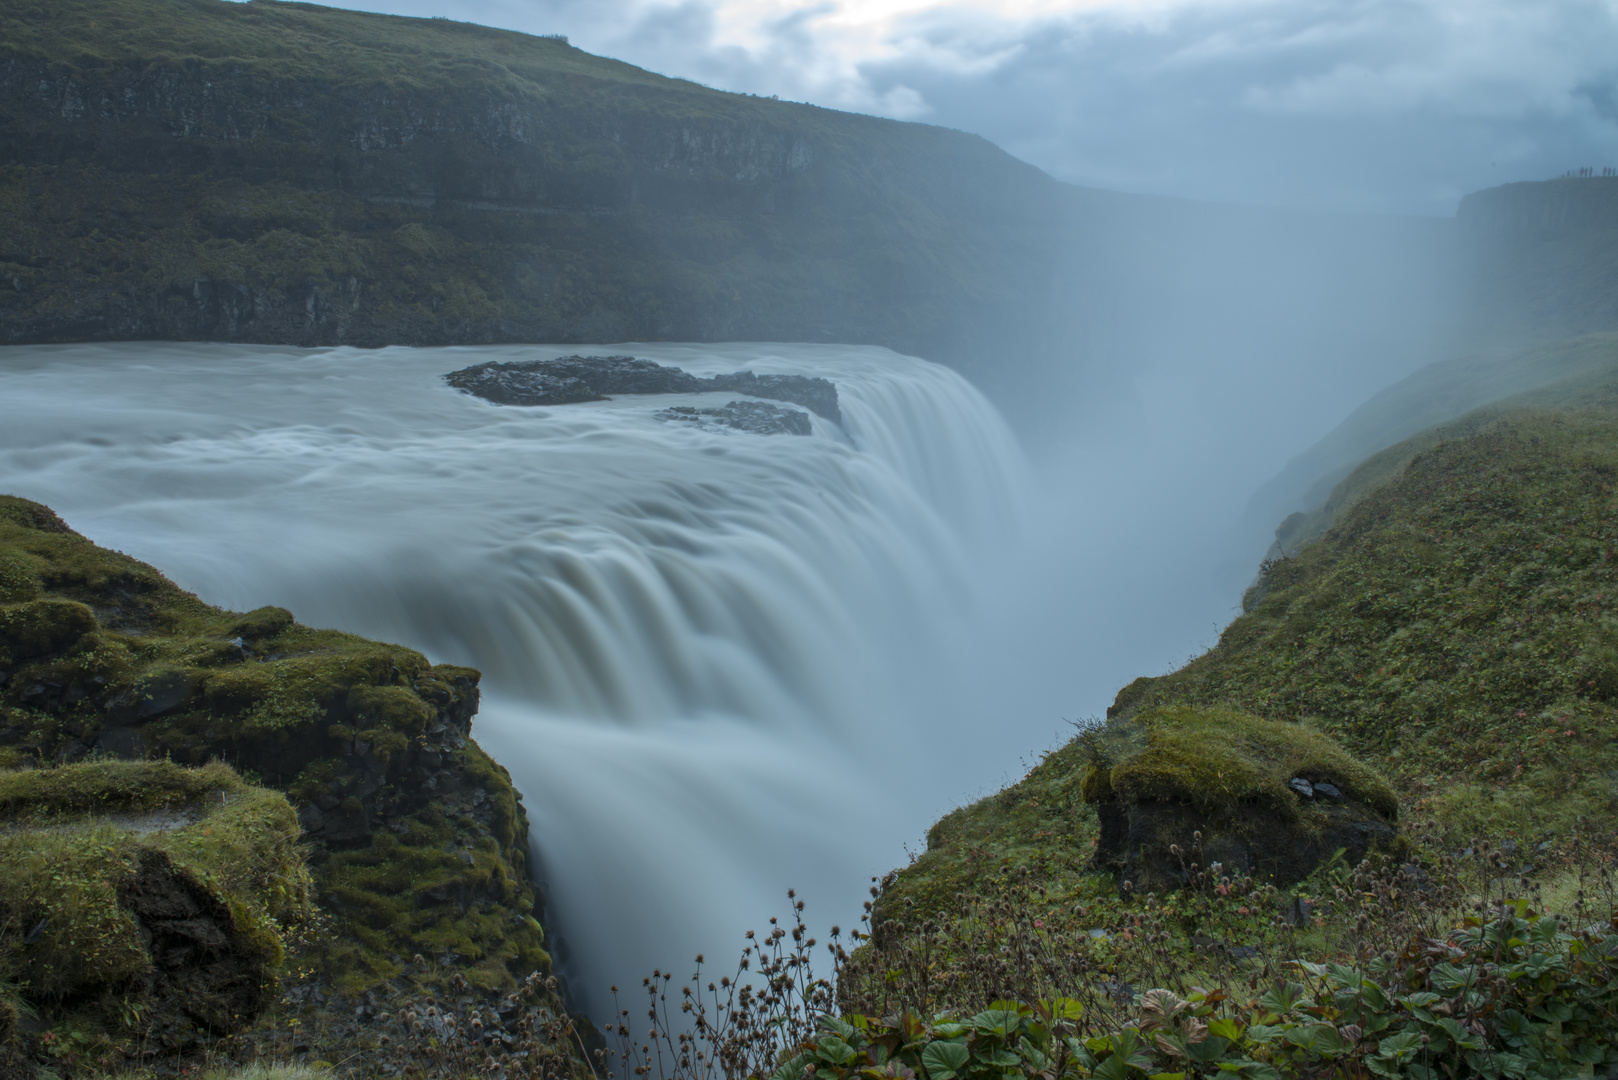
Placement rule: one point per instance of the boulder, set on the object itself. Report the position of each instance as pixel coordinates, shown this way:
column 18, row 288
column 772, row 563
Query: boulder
column 1260, row 797
column 166, row 885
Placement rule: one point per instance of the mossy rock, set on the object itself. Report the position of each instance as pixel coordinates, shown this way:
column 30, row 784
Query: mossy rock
column 149, row 882
column 1177, row 785
column 417, row 843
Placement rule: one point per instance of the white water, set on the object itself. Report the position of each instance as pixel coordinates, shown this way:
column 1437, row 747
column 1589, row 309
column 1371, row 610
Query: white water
column 717, row 664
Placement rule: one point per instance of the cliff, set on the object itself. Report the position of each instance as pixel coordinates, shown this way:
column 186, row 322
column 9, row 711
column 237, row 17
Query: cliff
column 1539, row 260
column 1450, row 630
column 280, row 172
column 416, row 841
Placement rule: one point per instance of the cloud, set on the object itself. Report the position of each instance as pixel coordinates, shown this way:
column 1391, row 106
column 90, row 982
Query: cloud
column 1398, row 105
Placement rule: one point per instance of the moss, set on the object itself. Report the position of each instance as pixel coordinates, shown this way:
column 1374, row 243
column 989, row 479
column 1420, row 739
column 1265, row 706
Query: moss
column 1218, row 760
column 346, row 727
column 76, row 836
column 1454, row 627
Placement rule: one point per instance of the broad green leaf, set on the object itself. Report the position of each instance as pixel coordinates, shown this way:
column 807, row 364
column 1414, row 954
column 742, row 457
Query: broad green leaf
column 1344, row 978
column 1317, row 1038
column 1114, row 1068
column 1400, row 1046
column 943, row 1060
column 1225, row 1028
column 1280, row 999
column 998, row 1023
column 792, row 1068
column 1259, row 1070
column 1066, row 1008
column 1210, row 1049
column 1012, row 1006
column 834, row 1049
column 838, row 1026
column 1033, row 1055
column 1128, row 1045
column 1450, row 979
column 1513, row 1024
column 1460, row 1035
column 1421, row 999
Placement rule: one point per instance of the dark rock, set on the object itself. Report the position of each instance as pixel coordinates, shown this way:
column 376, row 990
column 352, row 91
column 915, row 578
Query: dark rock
column 126, row 742
column 753, row 417
column 216, row 974
column 1324, row 790
column 311, row 818
column 819, row 396
column 567, row 380
column 1303, row 787
column 1137, row 838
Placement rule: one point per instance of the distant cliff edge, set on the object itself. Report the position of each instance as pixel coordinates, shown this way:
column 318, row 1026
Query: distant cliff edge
column 277, row 172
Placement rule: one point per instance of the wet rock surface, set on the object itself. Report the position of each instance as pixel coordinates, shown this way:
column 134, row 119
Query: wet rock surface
column 754, row 417
column 568, row 380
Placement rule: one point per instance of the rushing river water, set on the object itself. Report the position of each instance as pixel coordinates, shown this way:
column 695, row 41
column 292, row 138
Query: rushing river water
column 717, row 664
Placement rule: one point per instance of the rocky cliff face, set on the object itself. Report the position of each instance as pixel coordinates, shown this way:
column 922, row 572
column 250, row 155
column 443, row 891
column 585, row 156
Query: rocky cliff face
column 417, row 841
column 1541, row 260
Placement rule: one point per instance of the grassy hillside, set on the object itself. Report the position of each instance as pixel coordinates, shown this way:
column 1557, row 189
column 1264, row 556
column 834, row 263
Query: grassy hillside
column 1452, row 629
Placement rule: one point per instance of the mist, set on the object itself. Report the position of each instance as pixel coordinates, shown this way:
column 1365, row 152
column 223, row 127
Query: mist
column 721, row 666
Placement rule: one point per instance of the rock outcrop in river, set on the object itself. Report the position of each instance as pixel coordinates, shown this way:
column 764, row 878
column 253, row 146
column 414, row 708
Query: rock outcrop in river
column 570, row 379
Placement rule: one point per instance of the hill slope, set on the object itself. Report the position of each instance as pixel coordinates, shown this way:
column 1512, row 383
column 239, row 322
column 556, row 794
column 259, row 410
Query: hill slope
column 1454, row 629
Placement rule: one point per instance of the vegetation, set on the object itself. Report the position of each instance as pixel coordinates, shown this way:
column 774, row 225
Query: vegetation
column 150, row 895
column 287, row 173
column 1440, row 650
column 417, row 845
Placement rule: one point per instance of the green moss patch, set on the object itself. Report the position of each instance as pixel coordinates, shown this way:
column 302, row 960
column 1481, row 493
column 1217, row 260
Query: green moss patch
column 150, row 882
column 413, row 840
column 1219, row 760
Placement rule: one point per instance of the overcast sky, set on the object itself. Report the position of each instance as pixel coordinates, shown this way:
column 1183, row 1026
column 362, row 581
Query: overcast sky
column 1376, row 105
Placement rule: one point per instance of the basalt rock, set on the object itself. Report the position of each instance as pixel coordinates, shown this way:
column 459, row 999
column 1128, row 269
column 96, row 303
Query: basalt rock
column 754, row 417
column 567, row 380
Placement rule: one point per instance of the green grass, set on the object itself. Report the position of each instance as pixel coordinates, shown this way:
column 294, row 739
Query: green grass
column 290, row 40
column 1449, row 644
column 1453, row 627
column 1442, row 401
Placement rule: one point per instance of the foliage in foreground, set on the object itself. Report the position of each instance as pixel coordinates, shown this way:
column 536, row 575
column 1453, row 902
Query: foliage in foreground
column 1432, row 980
column 1515, row 996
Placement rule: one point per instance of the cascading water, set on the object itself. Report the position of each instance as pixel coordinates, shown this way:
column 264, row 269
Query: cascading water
column 717, row 664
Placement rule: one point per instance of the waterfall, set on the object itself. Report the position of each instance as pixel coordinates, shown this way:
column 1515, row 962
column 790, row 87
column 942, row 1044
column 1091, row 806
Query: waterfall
column 717, row 664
